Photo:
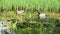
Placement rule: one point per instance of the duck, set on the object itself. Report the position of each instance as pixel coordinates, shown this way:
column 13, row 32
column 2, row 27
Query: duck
column 42, row 15
column 19, row 11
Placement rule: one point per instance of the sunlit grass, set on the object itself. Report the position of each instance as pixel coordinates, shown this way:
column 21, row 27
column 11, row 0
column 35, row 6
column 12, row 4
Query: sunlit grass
column 28, row 4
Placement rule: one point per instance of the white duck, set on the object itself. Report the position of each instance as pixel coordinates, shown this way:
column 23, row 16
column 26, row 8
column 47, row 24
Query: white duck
column 19, row 11
column 42, row 15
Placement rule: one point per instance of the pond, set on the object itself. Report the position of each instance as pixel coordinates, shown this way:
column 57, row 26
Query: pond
column 4, row 29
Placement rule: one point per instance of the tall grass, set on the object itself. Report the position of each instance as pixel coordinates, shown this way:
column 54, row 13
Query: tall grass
column 28, row 4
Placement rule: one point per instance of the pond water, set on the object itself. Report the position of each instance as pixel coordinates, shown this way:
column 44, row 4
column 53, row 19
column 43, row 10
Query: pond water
column 4, row 29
